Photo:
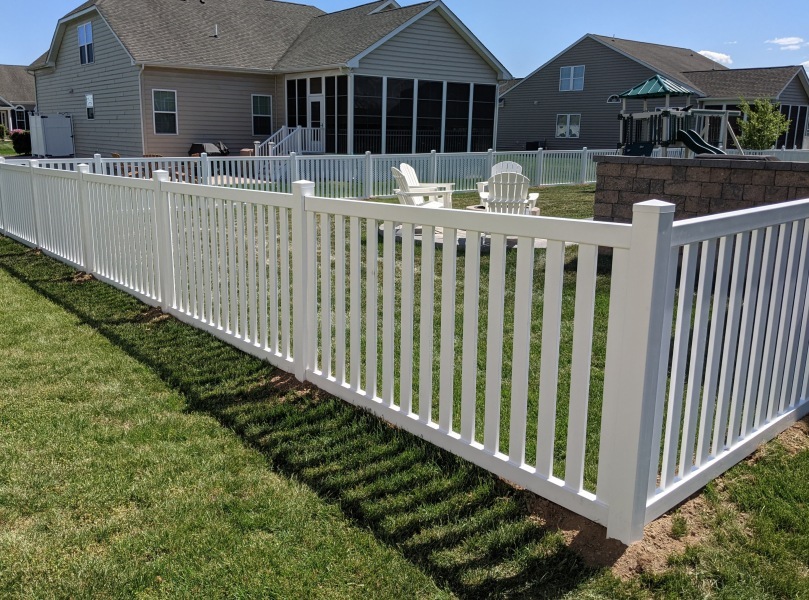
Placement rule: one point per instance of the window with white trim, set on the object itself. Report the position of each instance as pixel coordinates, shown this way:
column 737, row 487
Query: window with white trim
column 165, row 112
column 567, row 126
column 86, row 53
column 571, row 79
column 262, row 115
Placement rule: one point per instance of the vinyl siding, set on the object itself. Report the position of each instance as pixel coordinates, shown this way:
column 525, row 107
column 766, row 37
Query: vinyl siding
column 529, row 110
column 113, row 81
column 211, row 106
column 429, row 49
column 794, row 93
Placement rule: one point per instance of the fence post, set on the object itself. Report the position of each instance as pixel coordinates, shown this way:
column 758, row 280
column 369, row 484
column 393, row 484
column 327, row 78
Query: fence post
column 2, row 215
column 433, row 165
column 300, row 277
column 206, row 168
column 98, row 166
column 34, row 164
column 583, row 174
column 369, row 175
column 271, row 149
column 294, row 167
column 633, row 369
column 86, row 227
column 540, row 166
column 162, row 223
column 255, row 148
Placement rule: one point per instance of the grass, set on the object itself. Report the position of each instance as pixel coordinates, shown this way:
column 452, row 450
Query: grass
column 140, row 456
column 6, row 148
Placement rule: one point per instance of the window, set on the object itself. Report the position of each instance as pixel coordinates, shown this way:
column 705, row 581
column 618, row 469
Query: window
column 86, row 54
column 428, row 122
column 165, row 112
column 456, row 128
column 483, row 110
column 20, row 118
column 262, row 115
column 567, row 126
column 614, row 99
column 89, row 102
column 400, row 116
column 571, row 79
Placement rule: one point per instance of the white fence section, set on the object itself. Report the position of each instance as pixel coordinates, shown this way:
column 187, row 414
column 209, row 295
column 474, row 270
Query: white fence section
column 398, row 310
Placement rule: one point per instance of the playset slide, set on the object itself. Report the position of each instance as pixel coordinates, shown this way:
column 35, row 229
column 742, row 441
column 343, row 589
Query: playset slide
column 694, row 142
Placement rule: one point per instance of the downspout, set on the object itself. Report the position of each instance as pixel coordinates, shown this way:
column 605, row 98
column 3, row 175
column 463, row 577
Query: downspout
column 140, row 102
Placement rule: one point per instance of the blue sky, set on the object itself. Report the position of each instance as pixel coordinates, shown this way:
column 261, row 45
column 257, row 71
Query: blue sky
column 523, row 34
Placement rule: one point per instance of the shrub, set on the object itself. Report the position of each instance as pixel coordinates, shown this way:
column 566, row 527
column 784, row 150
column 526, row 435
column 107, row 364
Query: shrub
column 763, row 126
column 21, row 141
column 3, row 132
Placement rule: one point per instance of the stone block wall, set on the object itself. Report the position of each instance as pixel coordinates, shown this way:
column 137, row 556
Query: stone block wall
column 697, row 186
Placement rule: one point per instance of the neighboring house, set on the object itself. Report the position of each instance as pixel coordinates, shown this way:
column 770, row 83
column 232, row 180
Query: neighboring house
column 155, row 76
column 17, row 96
column 572, row 100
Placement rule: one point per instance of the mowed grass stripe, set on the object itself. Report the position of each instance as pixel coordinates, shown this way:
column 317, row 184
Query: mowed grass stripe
column 111, row 487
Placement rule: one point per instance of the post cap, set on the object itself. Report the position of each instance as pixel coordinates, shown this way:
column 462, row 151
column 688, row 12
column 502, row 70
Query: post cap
column 653, row 206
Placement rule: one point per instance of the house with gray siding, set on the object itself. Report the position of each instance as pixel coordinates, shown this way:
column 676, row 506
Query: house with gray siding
column 378, row 77
column 572, row 101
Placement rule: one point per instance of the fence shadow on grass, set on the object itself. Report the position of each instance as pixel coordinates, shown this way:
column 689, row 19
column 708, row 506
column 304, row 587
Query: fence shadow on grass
column 473, row 534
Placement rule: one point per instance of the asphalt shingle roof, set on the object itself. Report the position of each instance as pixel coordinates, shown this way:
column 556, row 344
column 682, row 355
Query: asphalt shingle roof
column 261, row 35
column 766, row 82
column 670, row 61
column 17, row 85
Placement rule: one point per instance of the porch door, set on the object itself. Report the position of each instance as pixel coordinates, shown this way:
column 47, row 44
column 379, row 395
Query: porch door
column 315, row 140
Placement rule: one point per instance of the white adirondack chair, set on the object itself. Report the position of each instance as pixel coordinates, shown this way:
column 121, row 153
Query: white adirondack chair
column 506, row 166
column 508, row 193
column 421, row 195
column 415, row 185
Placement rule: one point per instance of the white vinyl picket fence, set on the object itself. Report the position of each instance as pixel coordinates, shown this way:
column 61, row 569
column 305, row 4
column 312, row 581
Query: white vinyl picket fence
column 346, row 176
column 704, row 323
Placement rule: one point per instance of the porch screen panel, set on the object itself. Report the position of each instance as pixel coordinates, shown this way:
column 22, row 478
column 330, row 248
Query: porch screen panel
column 342, row 114
column 428, row 124
column 484, row 99
column 302, row 112
column 331, row 115
column 400, row 116
column 456, row 131
column 367, row 114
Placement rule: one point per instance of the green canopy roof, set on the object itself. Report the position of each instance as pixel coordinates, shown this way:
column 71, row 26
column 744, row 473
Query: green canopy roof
column 657, row 87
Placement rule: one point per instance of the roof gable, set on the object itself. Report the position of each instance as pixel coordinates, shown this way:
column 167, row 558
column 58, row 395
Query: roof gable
column 669, row 61
column 253, row 35
column 335, row 38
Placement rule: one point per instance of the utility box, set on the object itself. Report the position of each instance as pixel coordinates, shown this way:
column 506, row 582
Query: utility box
column 52, row 135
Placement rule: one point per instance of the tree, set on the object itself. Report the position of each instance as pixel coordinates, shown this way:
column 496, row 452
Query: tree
column 763, row 126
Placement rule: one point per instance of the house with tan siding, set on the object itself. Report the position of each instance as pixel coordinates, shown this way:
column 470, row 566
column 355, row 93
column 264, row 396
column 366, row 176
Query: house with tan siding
column 156, row 76
column 572, row 101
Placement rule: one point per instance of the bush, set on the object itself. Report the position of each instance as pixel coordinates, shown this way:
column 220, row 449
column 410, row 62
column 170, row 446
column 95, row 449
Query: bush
column 21, row 141
column 3, row 132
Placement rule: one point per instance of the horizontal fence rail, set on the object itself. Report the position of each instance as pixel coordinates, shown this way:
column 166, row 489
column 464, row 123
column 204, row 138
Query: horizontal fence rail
column 614, row 384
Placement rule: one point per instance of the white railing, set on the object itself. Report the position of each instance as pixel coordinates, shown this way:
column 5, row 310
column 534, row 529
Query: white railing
column 304, row 282
column 267, row 147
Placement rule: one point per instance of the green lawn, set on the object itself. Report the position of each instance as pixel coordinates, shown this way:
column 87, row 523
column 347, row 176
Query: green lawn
column 6, row 149
column 140, row 456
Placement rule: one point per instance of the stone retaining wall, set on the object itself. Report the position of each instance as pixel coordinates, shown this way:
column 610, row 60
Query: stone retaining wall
column 697, row 186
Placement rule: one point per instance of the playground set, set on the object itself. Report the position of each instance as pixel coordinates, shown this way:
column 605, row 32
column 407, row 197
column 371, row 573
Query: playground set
column 667, row 126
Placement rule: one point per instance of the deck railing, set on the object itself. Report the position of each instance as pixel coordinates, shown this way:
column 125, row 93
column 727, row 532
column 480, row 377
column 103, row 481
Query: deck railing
column 694, row 348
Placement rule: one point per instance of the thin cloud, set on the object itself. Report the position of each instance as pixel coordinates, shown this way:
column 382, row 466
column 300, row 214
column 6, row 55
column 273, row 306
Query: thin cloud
column 720, row 57
column 788, row 43
column 730, row 43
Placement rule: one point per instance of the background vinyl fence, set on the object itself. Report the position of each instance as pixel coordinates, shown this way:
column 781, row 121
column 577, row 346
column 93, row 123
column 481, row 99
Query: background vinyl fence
column 592, row 387
column 357, row 176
